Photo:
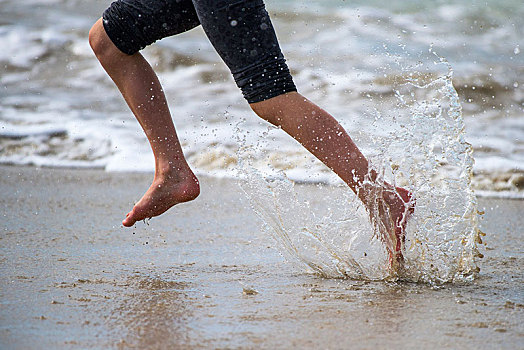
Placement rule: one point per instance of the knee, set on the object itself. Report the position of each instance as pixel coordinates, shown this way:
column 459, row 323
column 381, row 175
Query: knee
column 267, row 111
column 277, row 109
column 100, row 43
column 96, row 40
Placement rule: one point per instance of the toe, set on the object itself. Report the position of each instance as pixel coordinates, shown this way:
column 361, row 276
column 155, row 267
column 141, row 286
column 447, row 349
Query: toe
column 128, row 221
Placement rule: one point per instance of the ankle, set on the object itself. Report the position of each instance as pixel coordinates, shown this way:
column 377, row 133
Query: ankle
column 369, row 192
column 171, row 171
column 182, row 178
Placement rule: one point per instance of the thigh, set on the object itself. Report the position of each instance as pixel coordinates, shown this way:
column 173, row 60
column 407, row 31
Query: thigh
column 243, row 35
column 240, row 31
column 134, row 24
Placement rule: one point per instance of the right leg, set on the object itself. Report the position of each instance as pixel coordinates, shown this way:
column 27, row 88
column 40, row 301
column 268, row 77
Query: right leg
column 388, row 206
column 174, row 182
column 242, row 33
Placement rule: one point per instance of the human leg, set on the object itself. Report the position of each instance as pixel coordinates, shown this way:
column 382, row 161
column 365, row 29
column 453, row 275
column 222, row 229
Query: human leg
column 314, row 128
column 243, row 35
column 174, row 182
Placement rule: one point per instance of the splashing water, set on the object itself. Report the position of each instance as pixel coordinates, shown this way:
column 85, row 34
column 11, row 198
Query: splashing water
column 424, row 150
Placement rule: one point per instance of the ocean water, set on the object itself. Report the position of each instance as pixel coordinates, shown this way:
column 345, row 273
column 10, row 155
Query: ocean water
column 59, row 109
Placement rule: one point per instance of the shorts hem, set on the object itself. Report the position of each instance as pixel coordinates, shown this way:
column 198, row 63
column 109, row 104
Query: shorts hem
column 271, row 95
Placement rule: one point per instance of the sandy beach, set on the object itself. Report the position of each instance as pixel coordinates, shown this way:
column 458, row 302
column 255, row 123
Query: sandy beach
column 431, row 92
column 206, row 275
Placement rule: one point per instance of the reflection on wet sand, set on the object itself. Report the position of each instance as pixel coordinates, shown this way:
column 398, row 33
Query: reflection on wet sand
column 152, row 314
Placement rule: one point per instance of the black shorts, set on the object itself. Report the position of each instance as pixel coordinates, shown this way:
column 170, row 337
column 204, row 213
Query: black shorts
column 240, row 31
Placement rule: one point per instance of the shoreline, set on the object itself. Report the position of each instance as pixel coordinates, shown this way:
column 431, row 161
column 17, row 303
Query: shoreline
column 488, row 194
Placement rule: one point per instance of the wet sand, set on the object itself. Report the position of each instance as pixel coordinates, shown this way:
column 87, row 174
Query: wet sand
column 207, row 275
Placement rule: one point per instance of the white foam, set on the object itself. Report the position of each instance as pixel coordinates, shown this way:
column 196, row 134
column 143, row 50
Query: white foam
column 16, row 50
column 500, row 194
column 18, row 131
column 489, row 164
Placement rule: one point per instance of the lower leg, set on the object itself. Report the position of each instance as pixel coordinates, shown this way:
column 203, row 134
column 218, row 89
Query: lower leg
column 320, row 134
column 174, row 181
column 325, row 138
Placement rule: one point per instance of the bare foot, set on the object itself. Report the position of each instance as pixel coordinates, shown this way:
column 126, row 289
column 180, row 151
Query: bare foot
column 166, row 191
column 403, row 214
column 389, row 209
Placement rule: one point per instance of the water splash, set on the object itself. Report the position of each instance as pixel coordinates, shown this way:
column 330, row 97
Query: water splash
column 425, row 151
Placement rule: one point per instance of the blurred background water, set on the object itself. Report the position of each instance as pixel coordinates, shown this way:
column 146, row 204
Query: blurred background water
column 59, row 109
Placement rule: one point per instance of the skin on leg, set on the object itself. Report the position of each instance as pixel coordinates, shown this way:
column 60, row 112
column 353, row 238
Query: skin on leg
column 325, row 138
column 310, row 125
column 319, row 133
column 174, row 182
